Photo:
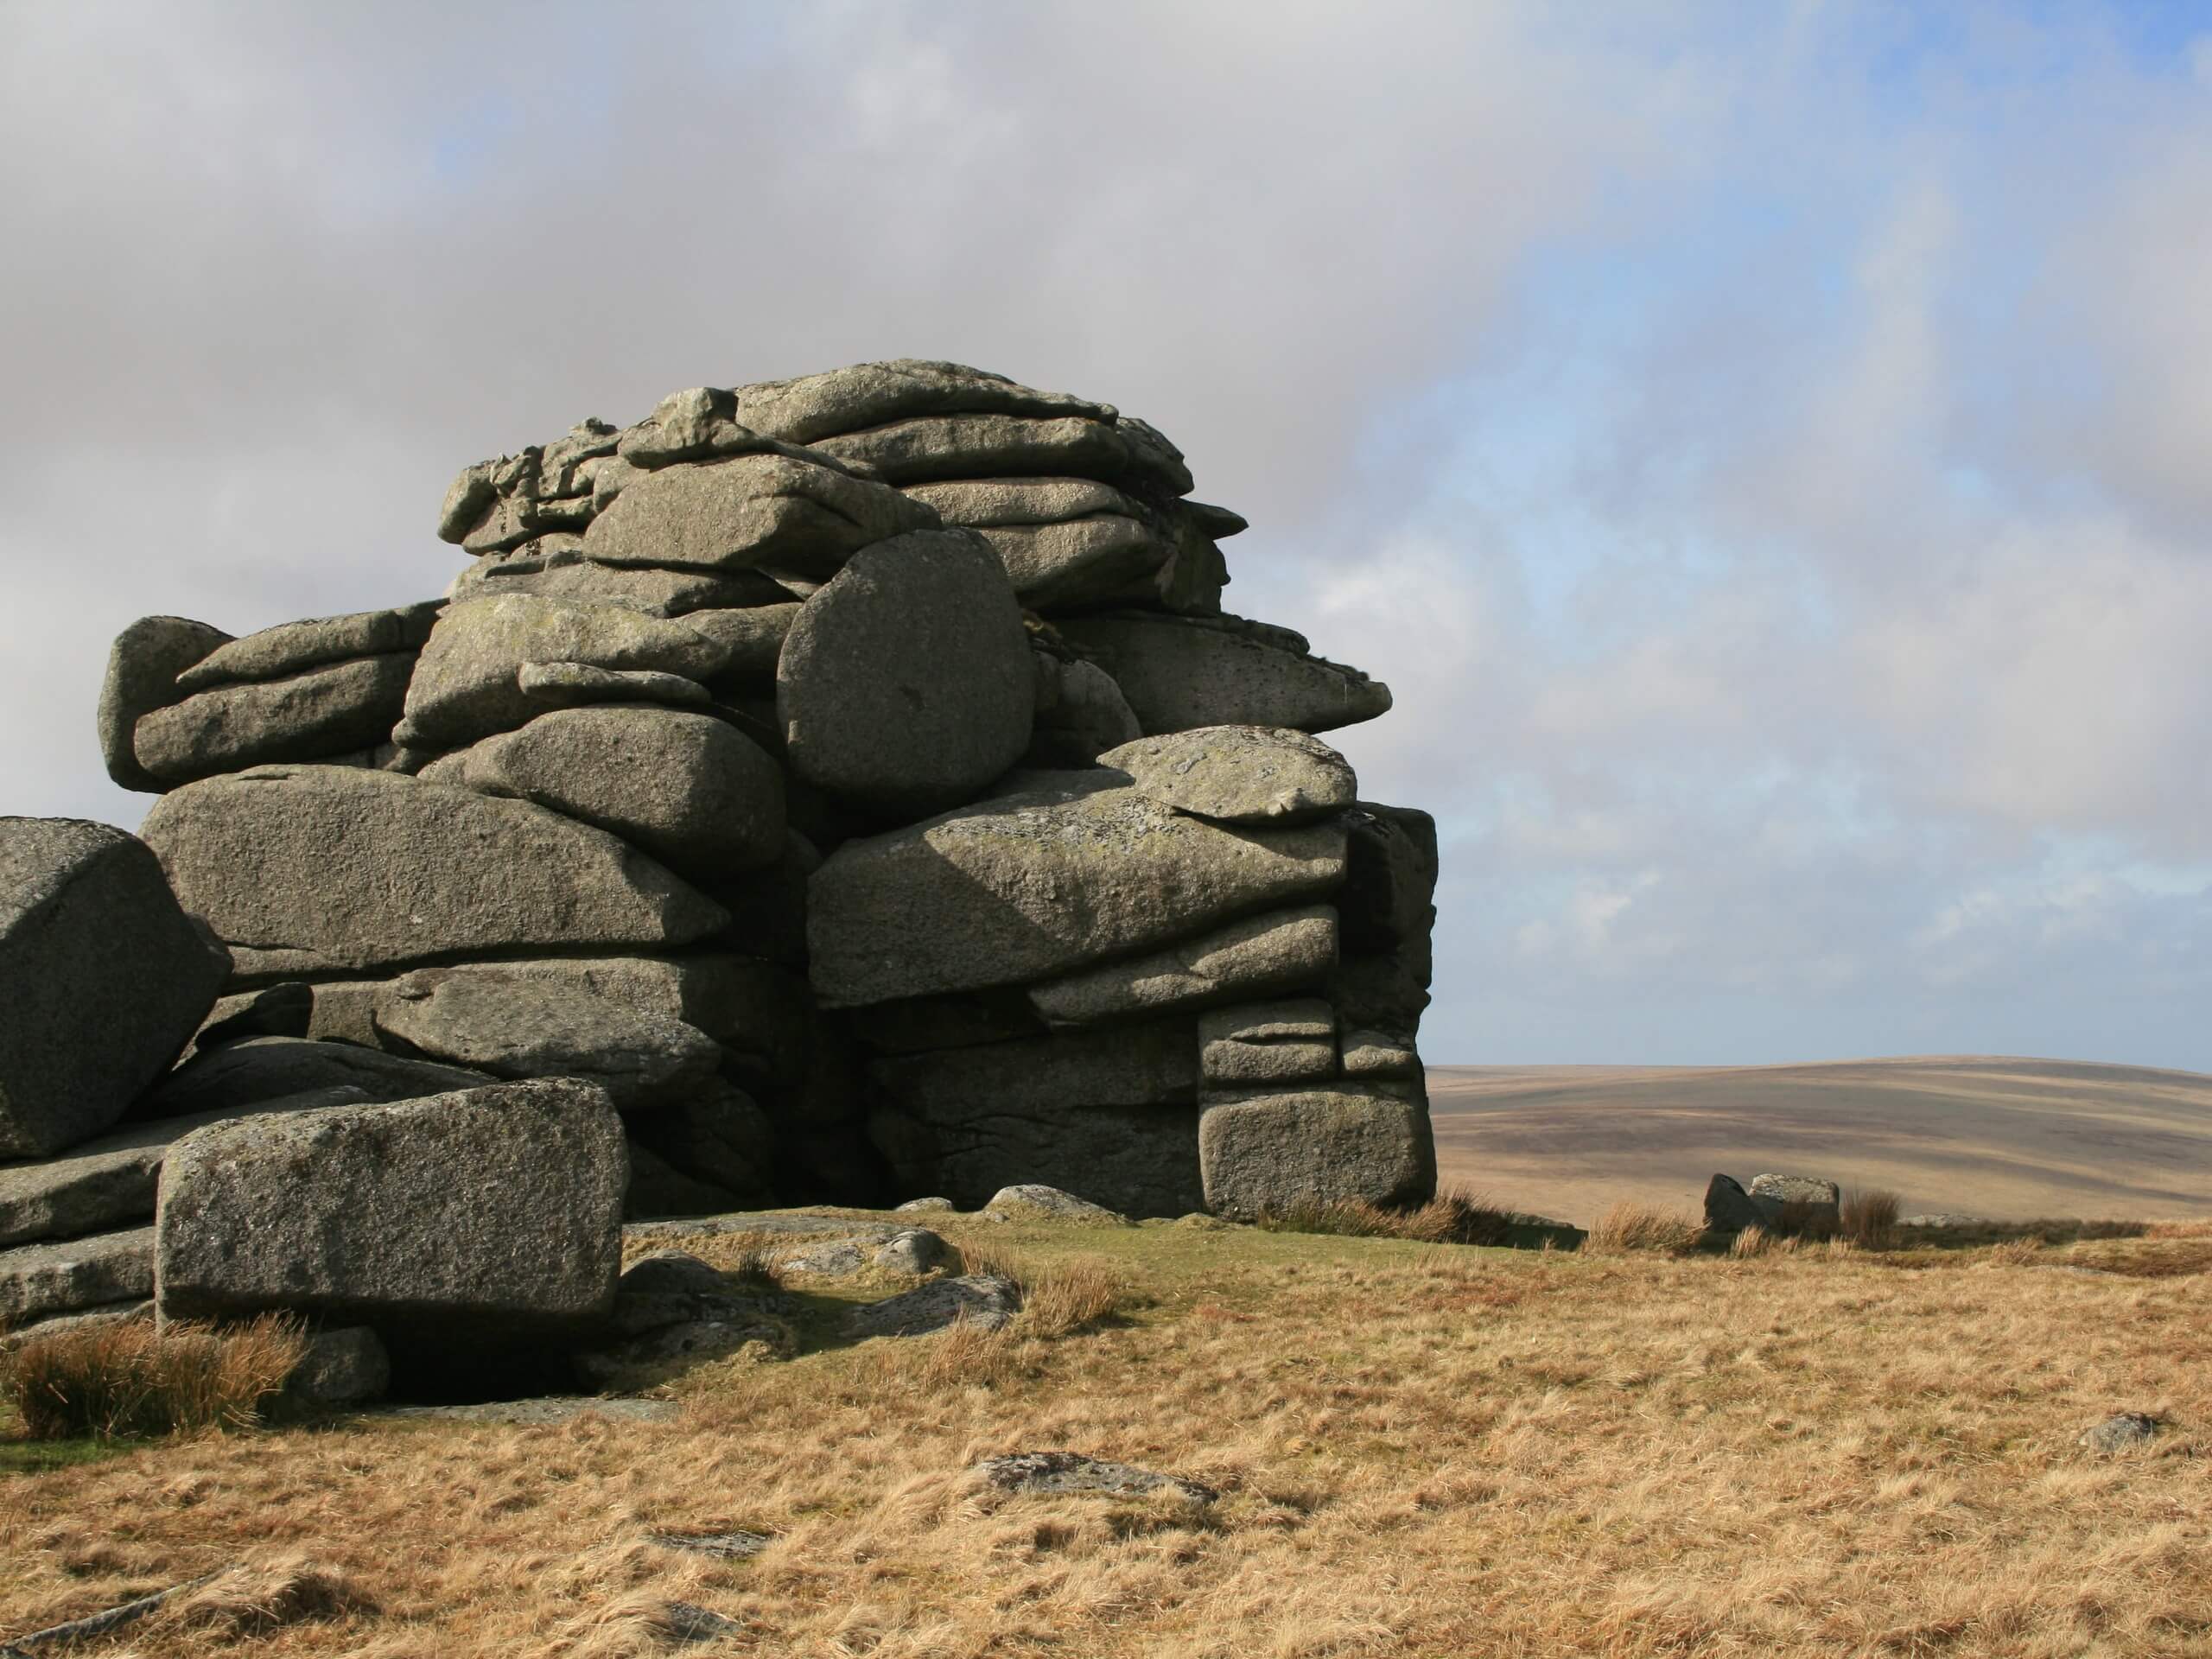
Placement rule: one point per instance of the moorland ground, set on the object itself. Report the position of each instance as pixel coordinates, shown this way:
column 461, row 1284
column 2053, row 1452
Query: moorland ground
column 1979, row 1135
column 1421, row 1449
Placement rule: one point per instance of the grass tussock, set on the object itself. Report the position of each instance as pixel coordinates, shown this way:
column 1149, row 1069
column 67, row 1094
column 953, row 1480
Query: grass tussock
column 1870, row 1219
column 1455, row 1215
column 133, row 1379
column 258, row 1598
column 1641, row 1230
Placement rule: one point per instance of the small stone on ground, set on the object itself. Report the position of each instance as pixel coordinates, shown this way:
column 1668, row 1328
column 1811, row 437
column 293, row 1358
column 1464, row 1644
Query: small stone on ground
column 1071, row 1471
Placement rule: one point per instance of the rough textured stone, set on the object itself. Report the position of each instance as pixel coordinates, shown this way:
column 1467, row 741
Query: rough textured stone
column 976, row 1299
column 1259, row 955
column 110, row 1183
column 1809, row 1203
column 874, row 394
column 106, row 979
column 293, row 647
column 1182, row 672
column 1385, row 919
column 718, row 1134
column 465, row 683
column 547, row 686
column 143, row 666
column 1030, row 1202
column 752, row 639
column 1259, row 1044
column 490, row 1214
column 1110, row 1112
column 1728, row 1208
column 991, row 502
column 930, row 447
column 323, row 868
column 1239, row 774
column 516, row 1027
column 1369, row 1054
column 759, row 509
column 1061, row 1473
column 2119, row 1433
column 1032, row 885
column 285, row 1009
column 556, row 567
column 931, row 1206
column 321, row 712
column 1279, row 1153
column 1082, row 561
column 39, row 1281
column 687, row 788
column 1081, row 714
column 655, row 1356
column 657, row 1188
column 345, row 1367
column 13, row 1337
column 905, row 684
column 255, row 1072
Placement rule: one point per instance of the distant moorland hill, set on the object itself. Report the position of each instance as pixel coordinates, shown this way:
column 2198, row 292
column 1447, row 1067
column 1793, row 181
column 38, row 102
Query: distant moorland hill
column 1997, row 1136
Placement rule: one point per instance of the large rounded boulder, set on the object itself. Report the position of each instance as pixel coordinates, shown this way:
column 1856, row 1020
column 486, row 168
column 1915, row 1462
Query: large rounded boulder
column 906, row 683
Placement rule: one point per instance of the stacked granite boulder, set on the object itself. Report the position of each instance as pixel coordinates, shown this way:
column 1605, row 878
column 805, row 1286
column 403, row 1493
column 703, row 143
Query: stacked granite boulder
column 856, row 778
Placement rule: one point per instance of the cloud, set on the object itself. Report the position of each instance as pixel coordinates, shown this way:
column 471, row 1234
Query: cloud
column 1762, row 447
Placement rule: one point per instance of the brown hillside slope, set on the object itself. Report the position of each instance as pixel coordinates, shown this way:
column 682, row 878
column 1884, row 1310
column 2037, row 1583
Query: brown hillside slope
column 1994, row 1136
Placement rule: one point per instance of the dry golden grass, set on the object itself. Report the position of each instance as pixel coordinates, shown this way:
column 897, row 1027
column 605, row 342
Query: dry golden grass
column 1422, row 1450
column 1631, row 1229
column 1870, row 1219
column 1454, row 1215
column 133, row 1378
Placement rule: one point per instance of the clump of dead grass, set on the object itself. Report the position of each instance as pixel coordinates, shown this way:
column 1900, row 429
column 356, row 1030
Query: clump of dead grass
column 133, row 1378
column 1059, row 1299
column 1870, row 1217
column 1454, row 1215
column 1640, row 1229
column 255, row 1599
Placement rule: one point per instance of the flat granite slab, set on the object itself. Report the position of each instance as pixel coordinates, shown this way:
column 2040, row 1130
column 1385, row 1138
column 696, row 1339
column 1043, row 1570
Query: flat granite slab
column 39, row 1280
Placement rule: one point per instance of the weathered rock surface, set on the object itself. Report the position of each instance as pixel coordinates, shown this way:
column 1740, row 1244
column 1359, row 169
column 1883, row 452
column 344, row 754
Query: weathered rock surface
column 1184, row 672
column 1110, row 1112
column 1385, row 919
column 720, row 1135
column 930, row 447
column 106, row 979
column 1032, row 885
column 1280, row 1153
column 1240, row 774
column 39, row 1281
column 751, row 641
column 1256, row 1045
column 257, row 1072
column 672, row 1311
column 494, row 1214
column 874, row 394
column 1031, row 1202
column 110, row 1183
column 1804, row 1201
column 143, row 666
column 467, row 682
column 2119, row 1433
column 285, row 1009
column 1081, row 714
column 556, row 567
column 906, row 683
column 688, row 789
column 977, row 1298
column 1728, row 1208
column 325, row 868
column 293, row 647
column 516, row 1027
column 993, row 503
column 759, row 510
column 1080, row 563
column 345, row 1367
column 1259, row 955
column 318, row 713
column 1062, row 1473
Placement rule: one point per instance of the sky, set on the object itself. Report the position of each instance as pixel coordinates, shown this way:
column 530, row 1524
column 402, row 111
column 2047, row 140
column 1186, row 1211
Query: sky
column 1767, row 447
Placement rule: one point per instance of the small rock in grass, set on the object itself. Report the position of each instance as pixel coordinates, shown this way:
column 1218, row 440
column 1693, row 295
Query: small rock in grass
column 729, row 1545
column 1034, row 1203
column 2118, row 1433
column 982, row 1299
column 925, row 1207
column 1071, row 1471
